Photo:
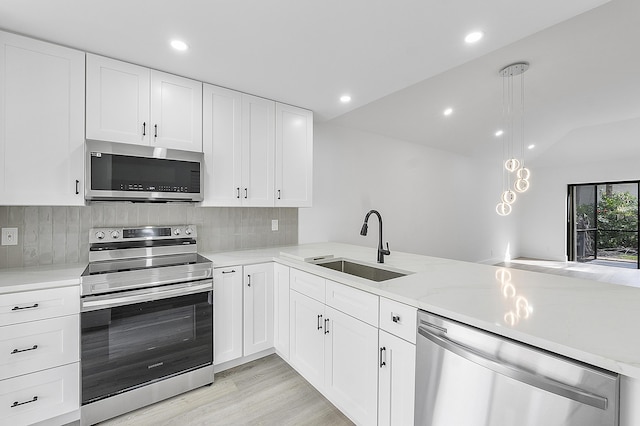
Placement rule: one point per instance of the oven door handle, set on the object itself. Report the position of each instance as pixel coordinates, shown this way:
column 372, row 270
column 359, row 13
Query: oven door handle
column 94, row 303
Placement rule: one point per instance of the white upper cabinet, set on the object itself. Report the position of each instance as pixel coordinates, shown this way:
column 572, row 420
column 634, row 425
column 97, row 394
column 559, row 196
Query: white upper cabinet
column 132, row 104
column 41, row 123
column 258, row 151
column 294, row 156
column 117, row 101
column 176, row 112
column 222, row 146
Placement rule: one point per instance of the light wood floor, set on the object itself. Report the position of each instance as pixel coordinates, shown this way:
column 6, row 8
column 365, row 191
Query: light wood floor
column 589, row 271
column 263, row 392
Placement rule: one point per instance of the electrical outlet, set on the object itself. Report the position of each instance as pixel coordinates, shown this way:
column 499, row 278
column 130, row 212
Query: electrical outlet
column 274, row 225
column 9, row 236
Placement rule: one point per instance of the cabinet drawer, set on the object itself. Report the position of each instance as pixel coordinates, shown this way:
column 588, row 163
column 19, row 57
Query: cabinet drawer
column 39, row 345
column 398, row 319
column 39, row 304
column 39, row 396
column 307, row 284
column 357, row 303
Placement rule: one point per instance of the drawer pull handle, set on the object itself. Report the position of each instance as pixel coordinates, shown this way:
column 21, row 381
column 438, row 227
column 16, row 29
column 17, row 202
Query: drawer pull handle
column 16, row 351
column 233, row 271
column 16, row 403
column 17, row 308
column 395, row 318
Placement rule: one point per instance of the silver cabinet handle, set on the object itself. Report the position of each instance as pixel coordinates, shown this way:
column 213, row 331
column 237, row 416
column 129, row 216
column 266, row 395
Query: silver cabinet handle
column 326, row 326
column 233, row 271
column 514, row 371
column 155, row 130
column 77, row 187
column 279, row 194
column 238, row 192
column 383, row 350
column 17, row 351
column 246, row 193
column 248, row 280
column 319, row 322
column 18, row 308
column 144, row 128
column 16, row 403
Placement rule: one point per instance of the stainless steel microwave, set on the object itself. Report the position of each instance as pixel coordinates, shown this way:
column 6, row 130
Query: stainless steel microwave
column 117, row 171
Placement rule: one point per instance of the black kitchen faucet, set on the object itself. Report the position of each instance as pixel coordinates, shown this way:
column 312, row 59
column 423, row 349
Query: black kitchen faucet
column 363, row 231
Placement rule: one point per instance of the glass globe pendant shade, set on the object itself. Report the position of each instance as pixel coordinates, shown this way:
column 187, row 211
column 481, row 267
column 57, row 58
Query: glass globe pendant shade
column 523, row 173
column 521, row 185
column 511, row 164
column 503, row 209
column 508, row 196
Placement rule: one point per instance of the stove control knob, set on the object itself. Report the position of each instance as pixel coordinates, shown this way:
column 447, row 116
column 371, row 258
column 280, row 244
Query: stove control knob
column 176, row 231
column 115, row 234
column 100, row 235
column 188, row 231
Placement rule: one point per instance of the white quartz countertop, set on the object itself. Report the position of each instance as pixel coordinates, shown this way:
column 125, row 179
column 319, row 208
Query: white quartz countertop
column 590, row 321
column 39, row 277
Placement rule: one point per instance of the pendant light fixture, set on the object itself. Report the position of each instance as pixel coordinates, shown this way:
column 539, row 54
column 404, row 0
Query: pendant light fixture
column 513, row 167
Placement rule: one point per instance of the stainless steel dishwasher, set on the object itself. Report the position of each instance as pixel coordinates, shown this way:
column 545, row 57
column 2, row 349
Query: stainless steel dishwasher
column 470, row 377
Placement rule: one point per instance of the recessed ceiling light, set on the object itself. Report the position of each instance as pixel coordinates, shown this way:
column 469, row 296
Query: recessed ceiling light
column 499, row 133
column 448, row 111
column 531, row 146
column 345, row 99
column 179, row 45
column 473, row 37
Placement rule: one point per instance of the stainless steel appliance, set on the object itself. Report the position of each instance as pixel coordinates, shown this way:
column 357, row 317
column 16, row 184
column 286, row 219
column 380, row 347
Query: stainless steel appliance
column 117, row 171
column 469, row 377
column 146, row 319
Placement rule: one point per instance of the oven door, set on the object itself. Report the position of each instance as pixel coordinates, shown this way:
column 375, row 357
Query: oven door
column 133, row 338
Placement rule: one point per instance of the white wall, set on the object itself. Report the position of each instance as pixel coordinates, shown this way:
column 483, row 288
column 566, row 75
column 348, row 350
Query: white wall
column 543, row 220
column 432, row 202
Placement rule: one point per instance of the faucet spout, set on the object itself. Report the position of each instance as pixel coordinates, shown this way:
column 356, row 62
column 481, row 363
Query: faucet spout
column 381, row 251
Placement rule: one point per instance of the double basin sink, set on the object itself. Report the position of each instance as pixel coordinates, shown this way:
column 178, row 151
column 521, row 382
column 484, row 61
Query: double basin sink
column 361, row 270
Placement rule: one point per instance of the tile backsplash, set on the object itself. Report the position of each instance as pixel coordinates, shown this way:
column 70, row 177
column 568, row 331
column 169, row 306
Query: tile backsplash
column 56, row 235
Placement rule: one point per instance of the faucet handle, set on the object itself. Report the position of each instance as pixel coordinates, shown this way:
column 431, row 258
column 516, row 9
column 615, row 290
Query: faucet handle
column 387, row 252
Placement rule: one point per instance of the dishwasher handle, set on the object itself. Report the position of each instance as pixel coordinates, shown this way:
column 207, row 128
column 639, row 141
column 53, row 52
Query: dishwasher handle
column 516, row 372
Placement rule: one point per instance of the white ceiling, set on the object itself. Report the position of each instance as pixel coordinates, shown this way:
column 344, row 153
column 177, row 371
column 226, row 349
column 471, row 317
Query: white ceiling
column 402, row 61
column 582, row 95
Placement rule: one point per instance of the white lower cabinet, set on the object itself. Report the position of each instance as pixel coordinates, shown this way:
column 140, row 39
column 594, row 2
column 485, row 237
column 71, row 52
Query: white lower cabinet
column 40, row 396
column 281, row 310
column 307, row 338
column 39, row 356
column 227, row 312
column 258, row 308
column 351, row 366
column 336, row 352
column 396, row 385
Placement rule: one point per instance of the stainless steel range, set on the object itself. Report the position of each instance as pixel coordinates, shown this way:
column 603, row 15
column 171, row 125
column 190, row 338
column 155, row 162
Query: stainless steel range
column 146, row 318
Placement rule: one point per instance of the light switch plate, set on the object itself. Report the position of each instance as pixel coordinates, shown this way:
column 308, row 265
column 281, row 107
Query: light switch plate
column 274, row 225
column 9, row 236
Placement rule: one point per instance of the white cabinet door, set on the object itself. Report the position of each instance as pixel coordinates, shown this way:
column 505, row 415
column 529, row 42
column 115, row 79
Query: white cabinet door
column 397, row 381
column 117, row 101
column 227, row 301
column 281, row 309
column 306, row 353
column 222, row 146
column 258, row 308
column 294, row 156
column 258, row 151
column 41, row 123
column 176, row 112
column 351, row 366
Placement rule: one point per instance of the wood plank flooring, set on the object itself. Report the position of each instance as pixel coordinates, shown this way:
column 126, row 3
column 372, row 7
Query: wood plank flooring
column 263, row 392
column 589, row 271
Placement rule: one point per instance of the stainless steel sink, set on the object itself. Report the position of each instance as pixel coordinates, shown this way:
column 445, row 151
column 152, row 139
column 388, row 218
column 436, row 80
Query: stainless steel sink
column 362, row 270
